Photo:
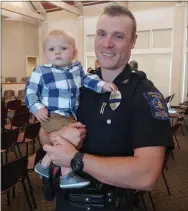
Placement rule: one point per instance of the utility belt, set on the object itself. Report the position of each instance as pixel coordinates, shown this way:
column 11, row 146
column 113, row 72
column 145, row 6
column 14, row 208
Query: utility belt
column 99, row 197
column 96, row 196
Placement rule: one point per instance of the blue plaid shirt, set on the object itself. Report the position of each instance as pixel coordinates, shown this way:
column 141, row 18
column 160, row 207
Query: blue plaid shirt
column 58, row 89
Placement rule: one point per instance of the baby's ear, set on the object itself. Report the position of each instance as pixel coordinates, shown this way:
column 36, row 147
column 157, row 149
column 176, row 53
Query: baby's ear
column 75, row 53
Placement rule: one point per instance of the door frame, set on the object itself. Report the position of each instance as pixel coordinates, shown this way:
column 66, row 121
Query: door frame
column 26, row 61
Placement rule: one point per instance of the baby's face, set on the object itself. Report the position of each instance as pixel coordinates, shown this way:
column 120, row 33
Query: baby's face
column 59, row 51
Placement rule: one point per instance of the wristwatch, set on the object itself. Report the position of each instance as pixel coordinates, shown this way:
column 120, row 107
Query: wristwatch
column 77, row 164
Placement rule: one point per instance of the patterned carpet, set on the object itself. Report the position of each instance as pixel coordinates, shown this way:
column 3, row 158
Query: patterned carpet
column 176, row 175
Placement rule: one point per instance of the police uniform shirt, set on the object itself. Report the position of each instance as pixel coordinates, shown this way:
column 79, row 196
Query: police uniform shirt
column 141, row 119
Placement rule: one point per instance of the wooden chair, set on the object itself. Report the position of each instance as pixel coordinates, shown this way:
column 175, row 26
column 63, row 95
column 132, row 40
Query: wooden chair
column 29, row 135
column 24, row 79
column 175, row 128
column 12, row 106
column 9, row 95
column 3, row 115
column 21, row 96
column 22, row 110
column 14, row 172
column 8, row 141
column 18, row 121
column 167, row 156
column 10, row 79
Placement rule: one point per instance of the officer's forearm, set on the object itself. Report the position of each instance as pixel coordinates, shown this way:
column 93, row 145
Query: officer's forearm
column 129, row 172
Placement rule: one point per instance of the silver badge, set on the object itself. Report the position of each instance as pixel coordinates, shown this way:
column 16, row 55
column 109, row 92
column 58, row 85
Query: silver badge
column 115, row 100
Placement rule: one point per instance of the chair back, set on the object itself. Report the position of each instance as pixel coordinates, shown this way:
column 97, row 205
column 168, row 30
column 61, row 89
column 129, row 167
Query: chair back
column 22, row 109
column 20, row 120
column 24, row 79
column 14, row 105
column 21, row 93
column 171, row 97
column 186, row 111
column 8, row 139
column 9, row 93
column 12, row 172
column 3, row 114
column 32, row 131
column 167, row 99
column 10, row 79
column 175, row 127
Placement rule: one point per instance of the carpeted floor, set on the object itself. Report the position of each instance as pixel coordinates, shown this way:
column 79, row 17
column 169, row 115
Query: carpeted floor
column 176, row 175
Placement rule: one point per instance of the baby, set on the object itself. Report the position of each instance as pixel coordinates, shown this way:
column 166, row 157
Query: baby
column 52, row 95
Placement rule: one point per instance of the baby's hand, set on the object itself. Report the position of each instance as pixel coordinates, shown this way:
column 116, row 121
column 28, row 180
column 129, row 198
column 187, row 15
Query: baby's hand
column 42, row 115
column 110, row 87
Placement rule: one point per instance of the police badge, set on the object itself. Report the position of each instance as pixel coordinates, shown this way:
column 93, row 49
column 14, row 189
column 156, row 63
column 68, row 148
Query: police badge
column 115, row 100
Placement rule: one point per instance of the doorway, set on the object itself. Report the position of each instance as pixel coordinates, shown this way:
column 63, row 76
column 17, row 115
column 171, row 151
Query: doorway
column 31, row 63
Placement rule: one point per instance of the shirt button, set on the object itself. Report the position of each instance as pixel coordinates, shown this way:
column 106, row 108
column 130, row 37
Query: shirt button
column 109, row 121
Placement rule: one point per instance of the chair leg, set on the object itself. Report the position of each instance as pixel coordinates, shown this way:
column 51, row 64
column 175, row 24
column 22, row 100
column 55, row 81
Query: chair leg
column 31, row 191
column 167, row 187
column 8, row 198
column 176, row 141
column 185, row 125
column 166, row 167
column 33, row 146
column 2, row 159
column 27, row 196
column 27, row 149
column 6, row 157
column 182, row 129
column 15, row 152
column 18, row 147
column 143, row 202
column 151, row 199
column 172, row 154
column 13, row 192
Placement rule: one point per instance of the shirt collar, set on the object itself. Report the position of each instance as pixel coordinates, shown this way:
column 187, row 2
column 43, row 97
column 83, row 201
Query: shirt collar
column 123, row 77
column 63, row 68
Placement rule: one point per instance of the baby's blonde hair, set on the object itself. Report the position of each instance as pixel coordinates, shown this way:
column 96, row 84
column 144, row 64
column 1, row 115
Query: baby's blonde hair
column 58, row 32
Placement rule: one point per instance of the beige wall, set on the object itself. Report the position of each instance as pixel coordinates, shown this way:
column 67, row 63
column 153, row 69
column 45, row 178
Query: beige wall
column 162, row 60
column 19, row 39
column 163, row 65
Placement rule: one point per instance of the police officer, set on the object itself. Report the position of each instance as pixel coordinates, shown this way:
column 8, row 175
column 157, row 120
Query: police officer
column 128, row 132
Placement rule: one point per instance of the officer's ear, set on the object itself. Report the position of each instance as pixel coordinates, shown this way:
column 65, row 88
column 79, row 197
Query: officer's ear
column 134, row 38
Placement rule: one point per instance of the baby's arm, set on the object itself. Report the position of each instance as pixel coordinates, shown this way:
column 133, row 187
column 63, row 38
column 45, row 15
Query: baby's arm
column 93, row 82
column 33, row 91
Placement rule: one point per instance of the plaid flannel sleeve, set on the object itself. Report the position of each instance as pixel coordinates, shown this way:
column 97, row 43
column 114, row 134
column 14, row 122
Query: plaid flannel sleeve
column 92, row 81
column 33, row 91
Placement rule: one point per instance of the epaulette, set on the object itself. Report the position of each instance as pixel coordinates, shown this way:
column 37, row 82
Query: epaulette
column 143, row 78
column 141, row 75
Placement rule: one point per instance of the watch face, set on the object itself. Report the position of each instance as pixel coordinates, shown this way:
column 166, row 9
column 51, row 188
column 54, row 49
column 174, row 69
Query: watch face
column 77, row 165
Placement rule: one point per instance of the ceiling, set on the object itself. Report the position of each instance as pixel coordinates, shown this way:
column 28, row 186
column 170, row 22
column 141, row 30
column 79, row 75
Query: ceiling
column 36, row 10
column 50, row 7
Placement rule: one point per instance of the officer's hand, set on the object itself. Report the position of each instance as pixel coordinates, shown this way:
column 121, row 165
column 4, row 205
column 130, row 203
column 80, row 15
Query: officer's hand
column 62, row 154
column 110, row 87
column 75, row 133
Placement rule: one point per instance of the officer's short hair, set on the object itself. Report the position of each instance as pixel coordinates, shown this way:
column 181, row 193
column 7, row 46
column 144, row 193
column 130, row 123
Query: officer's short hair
column 114, row 9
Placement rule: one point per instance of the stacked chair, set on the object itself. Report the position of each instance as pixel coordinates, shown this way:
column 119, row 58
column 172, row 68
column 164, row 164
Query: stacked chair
column 9, row 95
column 17, row 132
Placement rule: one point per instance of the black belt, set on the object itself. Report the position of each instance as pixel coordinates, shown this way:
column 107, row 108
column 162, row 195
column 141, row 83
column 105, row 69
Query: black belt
column 92, row 198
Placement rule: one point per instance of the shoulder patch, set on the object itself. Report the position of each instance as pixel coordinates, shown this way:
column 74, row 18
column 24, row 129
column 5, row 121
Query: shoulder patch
column 157, row 105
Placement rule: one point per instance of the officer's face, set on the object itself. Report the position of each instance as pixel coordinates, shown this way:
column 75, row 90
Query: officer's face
column 113, row 42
